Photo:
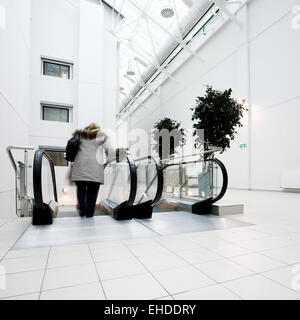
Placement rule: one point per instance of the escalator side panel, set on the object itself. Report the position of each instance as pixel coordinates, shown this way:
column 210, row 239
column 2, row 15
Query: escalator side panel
column 122, row 211
column 197, row 206
column 43, row 213
column 143, row 210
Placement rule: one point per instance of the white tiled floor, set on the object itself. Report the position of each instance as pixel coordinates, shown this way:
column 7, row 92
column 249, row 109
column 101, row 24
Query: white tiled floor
column 91, row 291
column 119, row 268
column 63, row 259
column 139, row 287
column 214, row 292
column 158, row 262
column 260, row 288
column 69, row 276
column 259, row 261
column 182, row 279
column 223, row 270
column 283, row 276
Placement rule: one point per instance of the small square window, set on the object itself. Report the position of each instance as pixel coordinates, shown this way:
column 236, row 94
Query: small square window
column 57, row 156
column 55, row 113
column 57, row 69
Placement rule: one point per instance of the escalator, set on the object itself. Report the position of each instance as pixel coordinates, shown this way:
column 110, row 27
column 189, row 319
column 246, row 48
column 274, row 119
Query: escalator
column 120, row 188
column 150, row 183
column 194, row 184
column 45, row 204
column 133, row 187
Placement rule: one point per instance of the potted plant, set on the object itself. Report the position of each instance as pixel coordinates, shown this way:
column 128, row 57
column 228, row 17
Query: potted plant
column 219, row 115
column 177, row 136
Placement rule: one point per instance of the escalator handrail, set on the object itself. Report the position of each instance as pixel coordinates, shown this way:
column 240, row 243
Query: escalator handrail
column 225, row 180
column 133, row 180
column 37, row 177
column 160, row 181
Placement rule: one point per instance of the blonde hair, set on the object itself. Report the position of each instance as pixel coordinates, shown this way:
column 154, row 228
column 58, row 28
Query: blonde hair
column 92, row 131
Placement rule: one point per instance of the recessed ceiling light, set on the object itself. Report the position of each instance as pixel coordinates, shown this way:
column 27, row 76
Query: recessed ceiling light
column 167, row 11
column 130, row 69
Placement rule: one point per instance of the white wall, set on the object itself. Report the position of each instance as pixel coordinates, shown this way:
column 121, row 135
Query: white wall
column 54, row 31
column 91, row 44
column 14, row 92
column 72, row 31
column 273, row 62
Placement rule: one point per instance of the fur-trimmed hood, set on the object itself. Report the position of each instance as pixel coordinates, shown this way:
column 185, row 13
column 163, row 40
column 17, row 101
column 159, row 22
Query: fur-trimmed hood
column 90, row 134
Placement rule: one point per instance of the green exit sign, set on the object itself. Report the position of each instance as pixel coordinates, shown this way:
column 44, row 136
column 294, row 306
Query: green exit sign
column 243, row 145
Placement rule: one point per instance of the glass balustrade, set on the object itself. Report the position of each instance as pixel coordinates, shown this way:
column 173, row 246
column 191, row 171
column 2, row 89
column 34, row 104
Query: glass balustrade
column 194, row 178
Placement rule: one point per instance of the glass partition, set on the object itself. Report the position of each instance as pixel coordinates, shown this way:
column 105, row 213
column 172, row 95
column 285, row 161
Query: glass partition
column 146, row 180
column 117, row 184
column 132, row 188
column 194, row 178
column 47, row 182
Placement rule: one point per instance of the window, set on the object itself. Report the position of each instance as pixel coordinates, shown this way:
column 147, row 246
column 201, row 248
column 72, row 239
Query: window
column 57, row 69
column 55, row 113
column 58, row 156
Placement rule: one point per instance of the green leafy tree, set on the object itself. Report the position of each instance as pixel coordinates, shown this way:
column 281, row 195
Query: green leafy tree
column 170, row 125
column 219, row 115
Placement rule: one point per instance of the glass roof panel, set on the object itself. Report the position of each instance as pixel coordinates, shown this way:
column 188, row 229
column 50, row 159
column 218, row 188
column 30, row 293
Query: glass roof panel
column 142, row 33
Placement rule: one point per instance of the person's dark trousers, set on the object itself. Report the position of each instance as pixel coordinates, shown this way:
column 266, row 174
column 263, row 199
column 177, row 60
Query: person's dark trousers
column 87, row 193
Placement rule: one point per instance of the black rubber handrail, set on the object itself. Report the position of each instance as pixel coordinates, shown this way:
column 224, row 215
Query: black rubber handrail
column 225, row 180
column 133, row 181
column 37, row 178
column 160, row 181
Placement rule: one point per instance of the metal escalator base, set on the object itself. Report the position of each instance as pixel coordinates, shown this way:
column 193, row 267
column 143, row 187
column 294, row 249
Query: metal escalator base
column 189, row 205
column 127, row 212
column 72, row 231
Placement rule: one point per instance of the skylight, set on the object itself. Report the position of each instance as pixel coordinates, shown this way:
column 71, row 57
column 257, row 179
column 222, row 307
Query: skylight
column 151, row 34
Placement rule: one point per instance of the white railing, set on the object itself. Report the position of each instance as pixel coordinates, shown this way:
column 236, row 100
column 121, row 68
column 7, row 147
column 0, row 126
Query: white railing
column 22, row 197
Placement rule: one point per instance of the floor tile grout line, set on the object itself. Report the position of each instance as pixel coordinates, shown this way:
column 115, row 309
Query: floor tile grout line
column 215, row 282
column 98, row 275
column 251, row 251
column 126, row 276
column 278, row 283
column 137, row 258
column 258, row 272
column 143, row 224
column 71, row 286
column 255, row 272
column 205, row 287
column 164, row 297
column 19, row 295
column 221, row 258
column 15, row 241
column 254, row 251
column 44, row 275
column 23, row 257
column 53, row 289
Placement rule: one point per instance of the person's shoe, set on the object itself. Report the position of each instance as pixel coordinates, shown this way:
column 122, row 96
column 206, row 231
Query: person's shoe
column 81, row 213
